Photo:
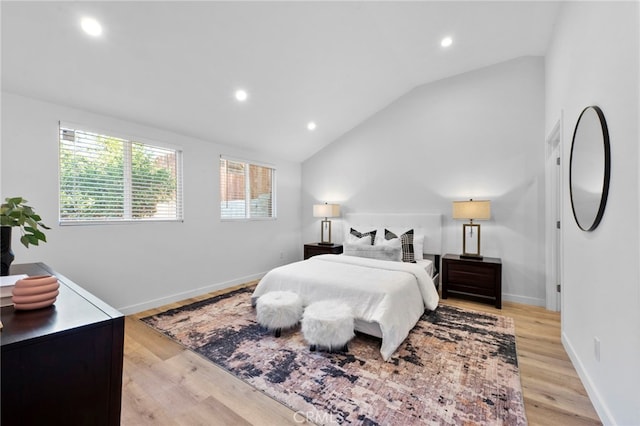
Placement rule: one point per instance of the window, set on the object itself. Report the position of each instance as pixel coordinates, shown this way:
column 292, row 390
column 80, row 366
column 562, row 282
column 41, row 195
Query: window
column 107, row 179
column 246, row 190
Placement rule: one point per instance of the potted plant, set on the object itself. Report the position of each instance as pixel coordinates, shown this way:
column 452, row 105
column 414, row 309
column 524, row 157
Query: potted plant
column 16, row 213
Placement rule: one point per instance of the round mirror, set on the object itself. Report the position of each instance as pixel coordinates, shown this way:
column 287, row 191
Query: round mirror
column 589, row 168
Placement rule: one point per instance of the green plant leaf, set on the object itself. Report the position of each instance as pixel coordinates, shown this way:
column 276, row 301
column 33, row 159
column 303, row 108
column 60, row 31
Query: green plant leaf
column 16, row 213
column 39, row 235
column 16, row 200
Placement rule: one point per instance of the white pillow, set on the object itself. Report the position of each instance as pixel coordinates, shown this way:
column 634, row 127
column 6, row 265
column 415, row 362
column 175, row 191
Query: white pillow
column 391, row 252
column 418, row 246
column 353, row 240
column 394, row 242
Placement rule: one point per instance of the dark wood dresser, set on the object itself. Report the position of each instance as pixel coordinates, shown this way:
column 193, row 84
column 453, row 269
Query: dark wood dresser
column 314, row 249
column 61, row 365
column 479, row 278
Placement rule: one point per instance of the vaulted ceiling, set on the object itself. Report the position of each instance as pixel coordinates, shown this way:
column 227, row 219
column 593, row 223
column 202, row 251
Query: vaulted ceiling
column 176, row 65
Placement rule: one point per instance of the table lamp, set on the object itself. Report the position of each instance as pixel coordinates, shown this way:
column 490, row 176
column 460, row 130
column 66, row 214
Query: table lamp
column 326, row 210
column 478, row 210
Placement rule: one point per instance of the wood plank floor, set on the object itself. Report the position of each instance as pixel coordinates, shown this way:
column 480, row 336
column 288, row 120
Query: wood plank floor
column 164, row 384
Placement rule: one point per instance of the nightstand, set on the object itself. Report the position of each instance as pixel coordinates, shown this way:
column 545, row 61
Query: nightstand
column 480, row 278
column 313, row 249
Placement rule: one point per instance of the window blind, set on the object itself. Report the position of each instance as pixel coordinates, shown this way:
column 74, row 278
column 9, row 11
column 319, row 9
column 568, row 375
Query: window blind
column 246, row 190
column 110, row 179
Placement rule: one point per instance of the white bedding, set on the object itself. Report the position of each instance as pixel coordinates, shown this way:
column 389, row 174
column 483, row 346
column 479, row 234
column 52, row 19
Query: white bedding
column 391, row 294
column 427, row 265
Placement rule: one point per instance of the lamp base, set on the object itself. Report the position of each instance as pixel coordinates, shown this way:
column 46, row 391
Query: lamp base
column 325, row 244
column 325, row 232
column 471, row 256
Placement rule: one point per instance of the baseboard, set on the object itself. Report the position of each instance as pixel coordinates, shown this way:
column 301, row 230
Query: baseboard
column 524, row 299
column 598, row 403
column 155, row 303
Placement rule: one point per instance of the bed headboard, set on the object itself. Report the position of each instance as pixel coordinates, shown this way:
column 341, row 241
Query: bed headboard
column 429, row 224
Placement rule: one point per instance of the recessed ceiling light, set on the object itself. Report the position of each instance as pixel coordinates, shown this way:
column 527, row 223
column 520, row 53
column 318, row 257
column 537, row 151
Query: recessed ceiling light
column 311, row 126
column 91, row 26
column 241, row 95
column 446, row 42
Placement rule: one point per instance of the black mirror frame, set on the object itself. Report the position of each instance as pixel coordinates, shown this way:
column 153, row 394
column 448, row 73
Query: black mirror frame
column 607, row 168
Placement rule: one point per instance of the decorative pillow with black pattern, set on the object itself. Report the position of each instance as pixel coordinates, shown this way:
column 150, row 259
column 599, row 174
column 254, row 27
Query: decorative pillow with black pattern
column 406, row 239
column 371, row 234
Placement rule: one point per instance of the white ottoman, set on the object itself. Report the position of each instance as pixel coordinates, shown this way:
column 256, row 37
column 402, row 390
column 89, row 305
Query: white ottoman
column 328, row 324
column 279, row 309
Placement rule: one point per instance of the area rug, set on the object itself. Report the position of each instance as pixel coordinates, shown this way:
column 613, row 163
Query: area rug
column 456, row 367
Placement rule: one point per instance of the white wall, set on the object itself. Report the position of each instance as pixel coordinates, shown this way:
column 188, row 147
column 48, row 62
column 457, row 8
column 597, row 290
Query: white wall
column 137, row 266
column 477, row 135
column 593, row 60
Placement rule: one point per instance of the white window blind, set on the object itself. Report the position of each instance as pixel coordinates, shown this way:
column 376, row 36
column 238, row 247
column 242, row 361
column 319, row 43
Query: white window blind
column 247, row 191
column 110, row 179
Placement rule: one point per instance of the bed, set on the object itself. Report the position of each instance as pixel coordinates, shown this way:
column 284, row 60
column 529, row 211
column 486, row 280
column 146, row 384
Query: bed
column 387, row 297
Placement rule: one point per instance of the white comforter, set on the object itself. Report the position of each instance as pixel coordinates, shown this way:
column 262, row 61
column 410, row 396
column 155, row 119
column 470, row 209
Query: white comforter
column 392, row 294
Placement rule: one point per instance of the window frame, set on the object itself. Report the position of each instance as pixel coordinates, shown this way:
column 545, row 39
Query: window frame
column 247, row 217
column 129, row 141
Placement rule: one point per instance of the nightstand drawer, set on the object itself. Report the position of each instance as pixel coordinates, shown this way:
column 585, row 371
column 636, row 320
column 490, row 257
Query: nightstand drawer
column 477, row 274
column 471, row 289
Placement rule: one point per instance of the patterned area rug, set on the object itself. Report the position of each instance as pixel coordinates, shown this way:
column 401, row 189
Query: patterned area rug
column 456, row 367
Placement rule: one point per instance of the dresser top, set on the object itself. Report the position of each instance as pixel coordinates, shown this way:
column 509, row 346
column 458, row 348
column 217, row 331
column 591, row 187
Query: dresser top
column 74, row 308
column 483, row 260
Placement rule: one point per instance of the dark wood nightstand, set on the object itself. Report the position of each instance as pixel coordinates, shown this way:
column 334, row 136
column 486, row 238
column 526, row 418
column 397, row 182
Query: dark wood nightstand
column 313, row 249
column 480, row 278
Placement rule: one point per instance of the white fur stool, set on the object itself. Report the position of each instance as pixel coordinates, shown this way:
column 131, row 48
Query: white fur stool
column 328, row 324
column 279, row 309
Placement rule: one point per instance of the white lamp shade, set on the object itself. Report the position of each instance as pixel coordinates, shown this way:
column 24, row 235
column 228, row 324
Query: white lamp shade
column 477, row 210
column 326, row 210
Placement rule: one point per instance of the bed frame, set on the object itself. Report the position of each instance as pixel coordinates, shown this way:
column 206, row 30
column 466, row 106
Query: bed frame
column 428, row 224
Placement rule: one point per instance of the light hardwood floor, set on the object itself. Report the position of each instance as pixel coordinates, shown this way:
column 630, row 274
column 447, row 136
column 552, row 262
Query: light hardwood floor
column 164, row 384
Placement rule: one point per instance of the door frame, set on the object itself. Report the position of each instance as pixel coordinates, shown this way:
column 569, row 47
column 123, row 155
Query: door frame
column 554, row 173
